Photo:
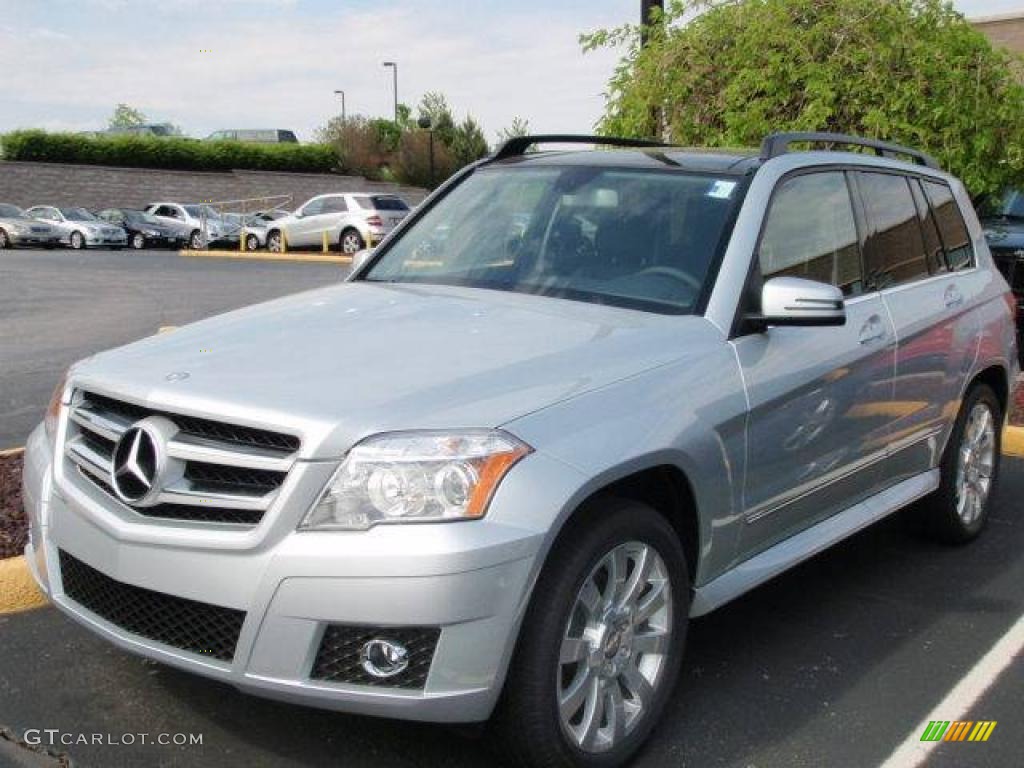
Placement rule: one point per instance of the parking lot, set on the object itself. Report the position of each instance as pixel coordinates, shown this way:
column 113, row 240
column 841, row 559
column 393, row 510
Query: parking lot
column 835, row 663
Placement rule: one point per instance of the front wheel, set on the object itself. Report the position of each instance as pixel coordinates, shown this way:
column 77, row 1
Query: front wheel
column 252, row 243
column 77, row 241
column 138, row 241
column 195, row 240
column 957, row 512
column 274, row 242
column 601, row 645
column 5, row 241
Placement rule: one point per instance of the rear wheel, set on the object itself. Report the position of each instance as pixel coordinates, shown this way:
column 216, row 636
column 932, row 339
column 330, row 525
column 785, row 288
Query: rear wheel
column 957, row 512
column 77, row 241
column 195, row 240
column 601, row 645
column 351, row 241
column 252, row 243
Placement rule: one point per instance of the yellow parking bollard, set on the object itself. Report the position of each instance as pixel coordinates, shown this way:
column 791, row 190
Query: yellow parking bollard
column 241, row 240
column 284, row 242
column 324, row 238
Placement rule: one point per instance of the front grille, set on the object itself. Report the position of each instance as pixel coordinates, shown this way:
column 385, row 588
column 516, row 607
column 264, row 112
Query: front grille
column 338, row 658
column 199, row 427
column 230, row 474
column 208, row 630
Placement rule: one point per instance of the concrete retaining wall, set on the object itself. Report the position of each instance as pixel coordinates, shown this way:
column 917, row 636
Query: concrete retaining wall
column 96, row 187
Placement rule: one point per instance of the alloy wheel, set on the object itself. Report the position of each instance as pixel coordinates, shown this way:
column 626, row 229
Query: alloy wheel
column 975, row 463
column 138, row 241
column 351, row 242
column 615, row 647
column 77, row 241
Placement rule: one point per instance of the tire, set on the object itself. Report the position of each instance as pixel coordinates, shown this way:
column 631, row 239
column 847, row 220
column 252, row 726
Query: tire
column 531, row 726
column 77, row 241
column 252, row 243
column 957, row 512
column 138, row 242
column 274, row 241
column 5, row 241
column 351, row 241
column 195, row 240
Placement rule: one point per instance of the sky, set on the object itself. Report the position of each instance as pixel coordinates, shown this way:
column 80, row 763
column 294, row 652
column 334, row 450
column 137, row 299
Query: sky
column 213, row 64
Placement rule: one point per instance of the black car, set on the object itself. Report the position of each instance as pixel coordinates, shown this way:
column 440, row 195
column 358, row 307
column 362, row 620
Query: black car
column 143, row 230
column 1004, row 231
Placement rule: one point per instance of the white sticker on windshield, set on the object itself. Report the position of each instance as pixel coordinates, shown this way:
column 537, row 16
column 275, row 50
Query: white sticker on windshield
column 722, row 189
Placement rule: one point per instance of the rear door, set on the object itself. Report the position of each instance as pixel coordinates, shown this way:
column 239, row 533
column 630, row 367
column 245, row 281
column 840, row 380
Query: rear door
column 818, row 422
column 924, row 282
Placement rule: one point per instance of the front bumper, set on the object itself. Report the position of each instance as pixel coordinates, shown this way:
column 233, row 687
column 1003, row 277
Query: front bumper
column 470, row 580
column 23, row 239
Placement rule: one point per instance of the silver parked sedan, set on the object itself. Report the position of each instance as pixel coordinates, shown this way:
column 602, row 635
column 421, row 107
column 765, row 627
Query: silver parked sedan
column 79, row 228
column 18, row 229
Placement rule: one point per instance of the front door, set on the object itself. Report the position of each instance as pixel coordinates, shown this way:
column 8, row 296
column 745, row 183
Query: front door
column 818, row 397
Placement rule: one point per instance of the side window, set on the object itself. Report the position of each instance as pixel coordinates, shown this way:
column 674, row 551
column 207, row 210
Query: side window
column 313, row 207
column 955, row 238
column 932, row 242
column 810, row 232
column 895, row 247
column 334, row 205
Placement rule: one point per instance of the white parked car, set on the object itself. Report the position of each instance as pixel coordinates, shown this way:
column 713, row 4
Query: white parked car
column 188, row 219
column 352, row 222
column 79, row 228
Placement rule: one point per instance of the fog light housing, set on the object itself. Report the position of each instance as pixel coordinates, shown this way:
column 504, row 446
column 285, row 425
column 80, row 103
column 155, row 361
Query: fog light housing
column 384, row 658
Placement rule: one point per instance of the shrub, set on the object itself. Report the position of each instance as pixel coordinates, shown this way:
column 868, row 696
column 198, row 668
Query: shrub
column 166, row 153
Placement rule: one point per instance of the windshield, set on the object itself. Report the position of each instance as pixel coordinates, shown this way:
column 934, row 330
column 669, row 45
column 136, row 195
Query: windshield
column 11, row 212
column 1013, row 204
column 640, row 239
column 139, row 217
column 77, row 214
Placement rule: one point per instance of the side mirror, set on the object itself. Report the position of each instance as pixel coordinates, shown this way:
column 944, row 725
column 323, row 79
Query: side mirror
column 796, row 301
column 360, row 258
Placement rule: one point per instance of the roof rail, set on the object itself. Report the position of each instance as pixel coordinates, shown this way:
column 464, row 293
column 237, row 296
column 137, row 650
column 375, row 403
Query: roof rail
column 778, row 144
column 517, row 145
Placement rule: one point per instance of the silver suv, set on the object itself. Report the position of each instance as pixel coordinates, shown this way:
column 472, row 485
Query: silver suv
column 350, row 221
column 574, row 400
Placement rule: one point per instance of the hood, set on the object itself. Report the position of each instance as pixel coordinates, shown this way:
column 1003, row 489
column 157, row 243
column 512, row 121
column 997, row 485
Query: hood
column 26, row 224
column 1003, row 233
column 337, row 364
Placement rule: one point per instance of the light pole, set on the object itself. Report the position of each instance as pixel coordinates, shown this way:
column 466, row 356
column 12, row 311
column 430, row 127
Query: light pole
column 394, row 70
column 342, row 94
column 425, row 124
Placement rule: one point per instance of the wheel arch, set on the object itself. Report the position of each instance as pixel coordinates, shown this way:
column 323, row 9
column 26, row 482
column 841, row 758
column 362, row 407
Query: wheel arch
column 997, row 378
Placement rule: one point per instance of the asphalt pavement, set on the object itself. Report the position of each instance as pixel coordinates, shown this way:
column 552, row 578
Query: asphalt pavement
column 57, row 307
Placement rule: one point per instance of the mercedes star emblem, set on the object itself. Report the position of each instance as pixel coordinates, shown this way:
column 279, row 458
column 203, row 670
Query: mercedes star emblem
column 135, row 466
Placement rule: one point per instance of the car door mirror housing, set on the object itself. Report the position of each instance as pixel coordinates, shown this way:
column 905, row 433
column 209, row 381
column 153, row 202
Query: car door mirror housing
column 359, row 259
column 798, row 302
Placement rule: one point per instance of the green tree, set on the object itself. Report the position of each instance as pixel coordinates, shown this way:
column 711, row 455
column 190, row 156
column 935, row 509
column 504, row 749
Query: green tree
column 468, row 143
column 518, row 127
column 725, row 73
column 126, row 116
column 434, row 106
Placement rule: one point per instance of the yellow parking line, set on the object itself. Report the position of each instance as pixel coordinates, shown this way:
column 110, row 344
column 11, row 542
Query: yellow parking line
column 309, row 258
column 1013, row 442
column 11, row 452
column 18, row 590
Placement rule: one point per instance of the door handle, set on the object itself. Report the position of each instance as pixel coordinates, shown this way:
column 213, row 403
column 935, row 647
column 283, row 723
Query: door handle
column 872, row 330
column 953, row 297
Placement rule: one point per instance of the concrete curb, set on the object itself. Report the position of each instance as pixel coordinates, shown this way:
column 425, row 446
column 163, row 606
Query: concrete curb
column 18, row 590
column 301, row 258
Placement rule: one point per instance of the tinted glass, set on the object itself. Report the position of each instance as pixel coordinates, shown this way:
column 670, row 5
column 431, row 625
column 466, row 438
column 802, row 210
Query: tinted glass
column 639, row 239
column 382, row 203
column 810, row 232
column 895, row 249
column 1012, row 204
column 313, row 208
column 932, row 242
column 955, row 238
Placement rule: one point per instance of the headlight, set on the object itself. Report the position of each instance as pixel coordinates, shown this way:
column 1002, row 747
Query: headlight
column 53, row 409
column 407, row 477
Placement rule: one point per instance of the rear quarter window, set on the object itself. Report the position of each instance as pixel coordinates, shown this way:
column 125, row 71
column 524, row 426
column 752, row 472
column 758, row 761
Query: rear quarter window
column 895, row 251
column 952, row 228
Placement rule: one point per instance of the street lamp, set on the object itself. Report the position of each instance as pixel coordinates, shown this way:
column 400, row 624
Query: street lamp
column 342, row 94
column 394, row 70
column 425, row 124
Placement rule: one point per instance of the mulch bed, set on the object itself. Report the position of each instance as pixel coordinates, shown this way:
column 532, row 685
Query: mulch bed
column 1017, row 408
column 13, row 523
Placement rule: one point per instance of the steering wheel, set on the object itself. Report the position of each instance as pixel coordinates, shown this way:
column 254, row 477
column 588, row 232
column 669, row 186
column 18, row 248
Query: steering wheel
column 674, row 274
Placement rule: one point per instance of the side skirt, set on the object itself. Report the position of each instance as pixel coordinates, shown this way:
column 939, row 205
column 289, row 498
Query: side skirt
column 810, row 542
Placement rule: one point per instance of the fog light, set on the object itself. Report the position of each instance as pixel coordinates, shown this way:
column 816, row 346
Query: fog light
column 383, row 658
